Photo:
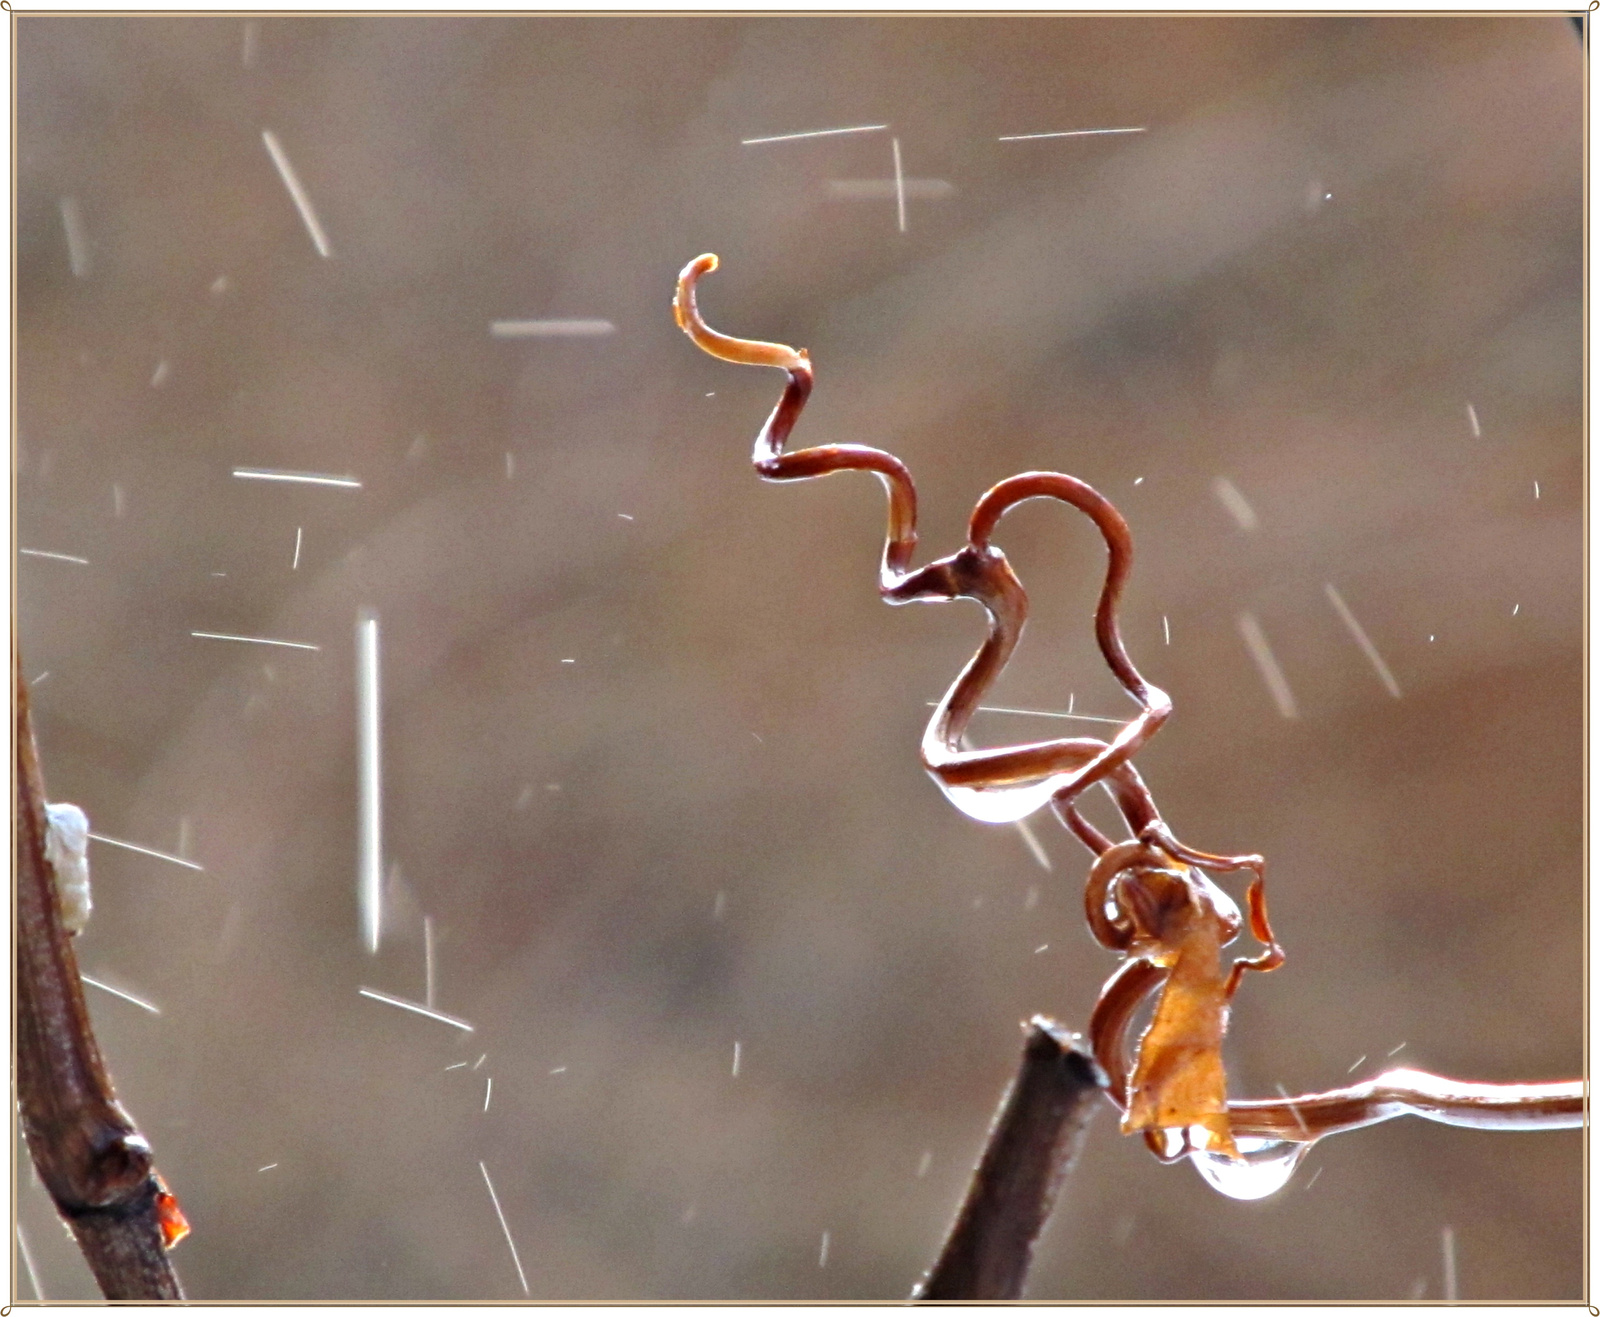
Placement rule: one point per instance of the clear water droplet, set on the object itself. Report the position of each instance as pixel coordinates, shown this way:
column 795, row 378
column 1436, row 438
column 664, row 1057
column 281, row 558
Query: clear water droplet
column 1266, row 1167
column 1172, row 1144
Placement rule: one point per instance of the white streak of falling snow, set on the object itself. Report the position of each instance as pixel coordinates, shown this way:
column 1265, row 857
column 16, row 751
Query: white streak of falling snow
column 1293, row 1109
column 899, row 190
column 254, row 640
column 510, row 1243
column 369, row 885
column 817, row 132
column 1075, row 132
column 1236, row 504
column 1277, row 684
column 1034, row 846
column 77, row 239
column 295, row 477
column 27, row 1261
column 59, row 557
column 145, row 850
column 550, row 328
column 1361, row 638
column 297, row 193
column 417, row 1008
column 118, row 992
column 1036, row 713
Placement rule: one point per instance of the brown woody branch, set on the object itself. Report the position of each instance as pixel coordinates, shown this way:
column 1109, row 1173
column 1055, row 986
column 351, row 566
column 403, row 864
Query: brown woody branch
column 96, row 1166
column 1034, row 1141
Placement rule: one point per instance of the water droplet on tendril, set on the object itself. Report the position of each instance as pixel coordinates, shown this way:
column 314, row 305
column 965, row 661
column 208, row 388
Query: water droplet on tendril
column 1002, row 804
column 1266, row 1167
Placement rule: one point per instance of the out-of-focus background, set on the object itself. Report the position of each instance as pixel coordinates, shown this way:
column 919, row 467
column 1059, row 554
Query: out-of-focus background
column 744, row 988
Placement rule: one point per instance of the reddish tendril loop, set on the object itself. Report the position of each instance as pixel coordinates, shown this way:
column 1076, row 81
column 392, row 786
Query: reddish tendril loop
column 1146, row 898
column 994, row 785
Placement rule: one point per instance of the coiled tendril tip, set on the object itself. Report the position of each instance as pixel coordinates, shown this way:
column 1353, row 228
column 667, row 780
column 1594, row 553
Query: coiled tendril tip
column 741, row 351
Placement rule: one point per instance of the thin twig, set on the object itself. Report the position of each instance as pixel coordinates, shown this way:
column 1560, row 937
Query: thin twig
column 1034, row 1141
column 96, row 1166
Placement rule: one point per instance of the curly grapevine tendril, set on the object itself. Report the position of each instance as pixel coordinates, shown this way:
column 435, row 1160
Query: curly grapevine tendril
column 1146, row 897
column 992, row 785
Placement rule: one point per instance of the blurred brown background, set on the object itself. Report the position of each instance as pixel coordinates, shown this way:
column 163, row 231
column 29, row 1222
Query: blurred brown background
column 711, row 829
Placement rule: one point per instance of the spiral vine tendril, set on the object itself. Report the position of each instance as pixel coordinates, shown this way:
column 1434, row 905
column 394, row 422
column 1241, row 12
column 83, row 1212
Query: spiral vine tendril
column 1146, row 898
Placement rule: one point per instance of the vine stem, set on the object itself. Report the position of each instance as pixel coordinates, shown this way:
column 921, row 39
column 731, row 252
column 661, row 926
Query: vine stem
column 1032, row 1145
column 96, row 1166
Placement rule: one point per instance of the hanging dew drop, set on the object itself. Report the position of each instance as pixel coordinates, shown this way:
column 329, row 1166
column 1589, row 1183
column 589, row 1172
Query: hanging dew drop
column 1172, row 1144
column 1265, row 1167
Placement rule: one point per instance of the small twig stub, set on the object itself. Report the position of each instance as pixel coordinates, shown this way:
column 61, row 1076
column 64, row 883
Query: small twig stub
column 1034, row 1141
